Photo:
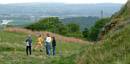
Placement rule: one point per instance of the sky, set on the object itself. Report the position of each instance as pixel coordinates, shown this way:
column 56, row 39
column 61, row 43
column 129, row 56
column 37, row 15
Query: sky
column 63, row 1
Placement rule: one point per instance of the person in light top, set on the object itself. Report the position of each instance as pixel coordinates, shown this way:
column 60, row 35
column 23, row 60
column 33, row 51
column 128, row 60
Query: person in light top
column 48, row 41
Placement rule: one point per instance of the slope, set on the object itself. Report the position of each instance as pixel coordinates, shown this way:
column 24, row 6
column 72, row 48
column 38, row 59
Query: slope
column 12, row 49
column 113, row 48
column 118, row 20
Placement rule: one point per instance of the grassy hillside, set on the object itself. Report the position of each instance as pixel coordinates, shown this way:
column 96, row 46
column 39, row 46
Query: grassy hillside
column 12, row 49
column 113, row 49
column 118, row 20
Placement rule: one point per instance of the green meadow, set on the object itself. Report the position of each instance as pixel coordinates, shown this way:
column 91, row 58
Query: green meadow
column 12, row 50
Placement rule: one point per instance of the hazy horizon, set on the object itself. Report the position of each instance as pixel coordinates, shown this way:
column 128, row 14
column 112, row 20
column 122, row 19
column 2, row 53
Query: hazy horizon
column 63, row 1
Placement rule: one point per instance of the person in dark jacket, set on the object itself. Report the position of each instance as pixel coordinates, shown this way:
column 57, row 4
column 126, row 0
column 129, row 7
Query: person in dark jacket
column 53, row 45
column 28, row 45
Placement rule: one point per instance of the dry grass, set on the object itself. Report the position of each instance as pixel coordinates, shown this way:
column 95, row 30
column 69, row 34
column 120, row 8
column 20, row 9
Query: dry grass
column 35, row 33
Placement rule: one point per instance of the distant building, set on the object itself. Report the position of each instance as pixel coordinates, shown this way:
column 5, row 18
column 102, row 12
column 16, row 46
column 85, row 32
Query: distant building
column 5, row 22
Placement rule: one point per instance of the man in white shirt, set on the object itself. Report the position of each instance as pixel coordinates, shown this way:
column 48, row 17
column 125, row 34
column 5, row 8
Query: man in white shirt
column 48, row 41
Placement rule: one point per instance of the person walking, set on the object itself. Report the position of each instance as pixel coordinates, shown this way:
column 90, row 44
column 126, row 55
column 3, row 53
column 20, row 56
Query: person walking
column 29, row 45
column 53, row 46
column 48, row 40
column 39, row 42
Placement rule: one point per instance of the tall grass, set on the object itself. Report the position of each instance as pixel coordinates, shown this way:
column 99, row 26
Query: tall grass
column 12, row 50
column 113, row 50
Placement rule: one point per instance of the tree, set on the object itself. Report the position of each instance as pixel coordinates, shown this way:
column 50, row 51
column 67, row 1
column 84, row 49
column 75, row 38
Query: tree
column 47, row 24
column 95, row 30
column 51, row 24
column 73, row 30
column 73, row 27
column 85, row 33
column 62, row 30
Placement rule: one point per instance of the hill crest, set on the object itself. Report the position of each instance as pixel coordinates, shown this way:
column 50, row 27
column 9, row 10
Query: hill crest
column 118, row 20
column 35, row 33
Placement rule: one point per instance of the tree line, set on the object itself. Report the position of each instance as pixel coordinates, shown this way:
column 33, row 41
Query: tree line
column 55, row 25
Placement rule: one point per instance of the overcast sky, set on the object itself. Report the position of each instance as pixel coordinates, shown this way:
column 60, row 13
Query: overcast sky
column 63, row 1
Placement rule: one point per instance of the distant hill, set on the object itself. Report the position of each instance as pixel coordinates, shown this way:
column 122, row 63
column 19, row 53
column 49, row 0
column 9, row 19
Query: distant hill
column 25, row 13
column 58, row 9
column 84, row 22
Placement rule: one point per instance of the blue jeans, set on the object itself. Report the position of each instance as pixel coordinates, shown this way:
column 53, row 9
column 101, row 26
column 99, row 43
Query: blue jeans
column 48, row 48
column 54, row 50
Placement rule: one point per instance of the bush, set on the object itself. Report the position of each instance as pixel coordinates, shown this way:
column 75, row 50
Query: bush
column 93, row 32
column 53, row 24
column 85, row 33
